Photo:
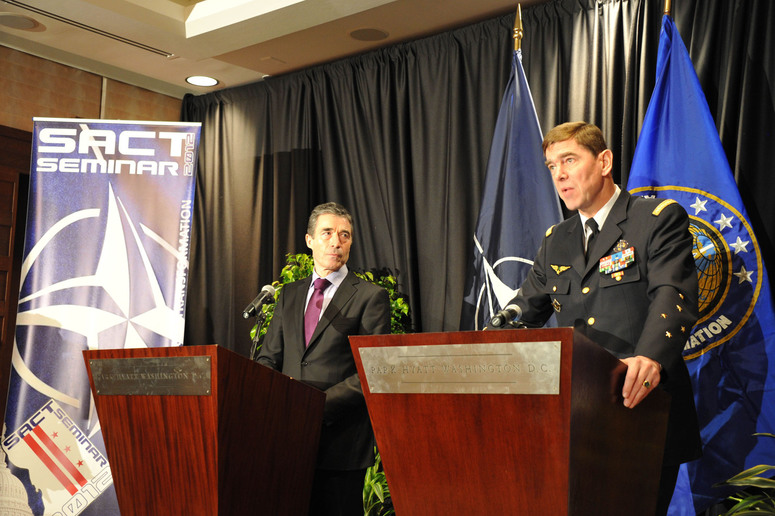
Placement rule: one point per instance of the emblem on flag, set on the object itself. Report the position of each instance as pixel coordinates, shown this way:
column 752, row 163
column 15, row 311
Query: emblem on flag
column 728, row 261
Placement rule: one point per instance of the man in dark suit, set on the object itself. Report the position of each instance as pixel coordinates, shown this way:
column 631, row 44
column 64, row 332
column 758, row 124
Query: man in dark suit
column 634, row 284
column 314, row 348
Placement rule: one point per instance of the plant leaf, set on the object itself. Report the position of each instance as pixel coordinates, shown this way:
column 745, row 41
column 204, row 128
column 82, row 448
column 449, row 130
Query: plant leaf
column 749, row 474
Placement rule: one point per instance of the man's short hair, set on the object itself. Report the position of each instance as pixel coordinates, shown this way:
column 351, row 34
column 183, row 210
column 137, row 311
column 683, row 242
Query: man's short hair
column 331, row 208
column 586, row 135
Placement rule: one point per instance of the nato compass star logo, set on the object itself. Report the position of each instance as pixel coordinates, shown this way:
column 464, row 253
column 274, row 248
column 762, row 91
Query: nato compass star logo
column 494, row 292
column 728, row 261
column 125, row 300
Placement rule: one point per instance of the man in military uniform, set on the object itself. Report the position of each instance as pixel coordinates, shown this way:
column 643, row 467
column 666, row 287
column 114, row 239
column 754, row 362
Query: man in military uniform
column 623, row 265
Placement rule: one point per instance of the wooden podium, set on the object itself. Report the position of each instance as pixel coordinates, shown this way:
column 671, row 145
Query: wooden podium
column 509, row 422
column 201, row 430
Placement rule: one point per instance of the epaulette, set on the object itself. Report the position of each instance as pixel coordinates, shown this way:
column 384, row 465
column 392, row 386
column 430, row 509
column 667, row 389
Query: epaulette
column 664, row 204
column 549, row 231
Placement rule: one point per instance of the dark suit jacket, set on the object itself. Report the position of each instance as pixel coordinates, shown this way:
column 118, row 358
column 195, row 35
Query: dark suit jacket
column 357, row 308
column 648, row 308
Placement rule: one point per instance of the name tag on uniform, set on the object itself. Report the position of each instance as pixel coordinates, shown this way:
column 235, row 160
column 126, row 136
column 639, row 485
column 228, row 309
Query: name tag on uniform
column 617, row 261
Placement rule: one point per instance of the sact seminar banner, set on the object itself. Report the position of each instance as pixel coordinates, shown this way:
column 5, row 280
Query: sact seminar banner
column 105, row 266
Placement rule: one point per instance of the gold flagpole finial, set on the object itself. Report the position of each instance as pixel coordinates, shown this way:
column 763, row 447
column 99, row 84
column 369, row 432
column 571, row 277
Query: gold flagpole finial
column 667, row 7
column 518, row 32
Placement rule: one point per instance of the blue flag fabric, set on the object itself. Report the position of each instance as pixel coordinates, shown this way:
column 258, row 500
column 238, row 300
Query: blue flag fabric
column 518, row 204
column 731, row 351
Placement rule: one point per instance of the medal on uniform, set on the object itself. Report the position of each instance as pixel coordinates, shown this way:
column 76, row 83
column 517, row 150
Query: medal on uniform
column 622, row 257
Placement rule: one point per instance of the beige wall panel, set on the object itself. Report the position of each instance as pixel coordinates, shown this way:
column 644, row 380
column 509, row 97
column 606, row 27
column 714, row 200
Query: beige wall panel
column 126, row 102
column 35, row 87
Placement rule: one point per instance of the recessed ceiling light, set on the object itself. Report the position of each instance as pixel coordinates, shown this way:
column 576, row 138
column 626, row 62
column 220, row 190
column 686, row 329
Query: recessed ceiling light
column 369, row 34
column 201, row 80
column 21, row 22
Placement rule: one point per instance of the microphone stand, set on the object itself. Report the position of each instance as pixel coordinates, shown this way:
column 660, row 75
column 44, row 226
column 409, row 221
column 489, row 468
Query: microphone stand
column 260, row 318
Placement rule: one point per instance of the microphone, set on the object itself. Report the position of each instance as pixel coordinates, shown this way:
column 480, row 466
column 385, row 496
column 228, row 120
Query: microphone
column 265, row 296
column 509, row 314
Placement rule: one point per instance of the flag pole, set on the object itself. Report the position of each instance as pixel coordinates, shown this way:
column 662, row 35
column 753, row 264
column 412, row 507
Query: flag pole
column 667, row 7
column 518, row 32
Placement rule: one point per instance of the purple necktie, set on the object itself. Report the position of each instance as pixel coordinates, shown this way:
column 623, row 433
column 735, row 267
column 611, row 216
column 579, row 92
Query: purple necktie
column 312, row 315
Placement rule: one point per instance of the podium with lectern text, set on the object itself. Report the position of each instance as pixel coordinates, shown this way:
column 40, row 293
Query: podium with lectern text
column 201, row 430
column 509, row 422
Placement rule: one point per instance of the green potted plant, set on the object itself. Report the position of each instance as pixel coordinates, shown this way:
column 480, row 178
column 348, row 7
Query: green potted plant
column 758, row 494
column 376, row 494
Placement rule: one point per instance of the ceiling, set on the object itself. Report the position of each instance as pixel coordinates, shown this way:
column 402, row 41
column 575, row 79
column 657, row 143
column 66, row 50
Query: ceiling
column 156, row 44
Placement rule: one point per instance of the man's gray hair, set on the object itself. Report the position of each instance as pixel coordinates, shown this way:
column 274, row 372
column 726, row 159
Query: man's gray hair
column 327, row 208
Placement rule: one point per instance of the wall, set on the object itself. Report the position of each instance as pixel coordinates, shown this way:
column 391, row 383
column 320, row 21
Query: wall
column 34, row 87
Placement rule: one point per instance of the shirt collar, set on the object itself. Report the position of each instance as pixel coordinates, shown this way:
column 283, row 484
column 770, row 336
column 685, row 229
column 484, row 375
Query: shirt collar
column 603, row 212
column 335, row 278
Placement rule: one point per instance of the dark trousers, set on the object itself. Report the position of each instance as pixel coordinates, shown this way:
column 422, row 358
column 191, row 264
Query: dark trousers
column 667, row 481
column 337, row 493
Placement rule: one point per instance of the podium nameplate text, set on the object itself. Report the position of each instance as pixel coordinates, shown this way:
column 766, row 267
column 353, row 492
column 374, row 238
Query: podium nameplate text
column 155, row 376
column 487, row 368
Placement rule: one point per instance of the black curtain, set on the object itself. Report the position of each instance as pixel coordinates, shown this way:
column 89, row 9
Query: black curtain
column 401, row 137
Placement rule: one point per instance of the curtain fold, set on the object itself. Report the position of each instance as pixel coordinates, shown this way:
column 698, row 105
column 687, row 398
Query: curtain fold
column 401, row 136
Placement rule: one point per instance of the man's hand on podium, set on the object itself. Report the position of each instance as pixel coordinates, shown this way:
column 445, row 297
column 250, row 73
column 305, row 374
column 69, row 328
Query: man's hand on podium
column 643, row 375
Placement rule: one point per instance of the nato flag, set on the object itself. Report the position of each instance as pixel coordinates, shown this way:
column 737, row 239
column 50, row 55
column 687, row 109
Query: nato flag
column 519, row 204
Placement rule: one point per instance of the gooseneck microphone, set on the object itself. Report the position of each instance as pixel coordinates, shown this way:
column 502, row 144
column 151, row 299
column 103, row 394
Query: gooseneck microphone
column 508, row 315
column 265, row 296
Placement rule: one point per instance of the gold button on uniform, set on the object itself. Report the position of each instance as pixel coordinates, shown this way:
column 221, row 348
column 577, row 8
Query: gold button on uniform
column 554, row 289
column 585, row 290
column 591, row 321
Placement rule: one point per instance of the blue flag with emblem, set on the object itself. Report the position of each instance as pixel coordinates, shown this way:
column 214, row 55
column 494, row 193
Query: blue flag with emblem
column 731, row 351
column 519, row 204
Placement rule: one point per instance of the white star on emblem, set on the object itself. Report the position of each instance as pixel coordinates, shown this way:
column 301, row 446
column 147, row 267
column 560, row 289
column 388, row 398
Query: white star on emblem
column 744, row 275
column 739, row 245
column 723, row 222
column 699, row 206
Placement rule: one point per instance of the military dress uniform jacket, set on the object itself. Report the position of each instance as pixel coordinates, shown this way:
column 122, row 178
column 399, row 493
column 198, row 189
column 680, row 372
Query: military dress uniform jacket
column 357, row 308
column 636, row 294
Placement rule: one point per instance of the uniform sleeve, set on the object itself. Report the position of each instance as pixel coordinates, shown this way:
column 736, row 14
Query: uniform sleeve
column 672, row 288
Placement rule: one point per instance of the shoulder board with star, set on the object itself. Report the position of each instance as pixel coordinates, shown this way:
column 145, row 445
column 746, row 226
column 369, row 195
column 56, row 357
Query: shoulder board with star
column 664, row 204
